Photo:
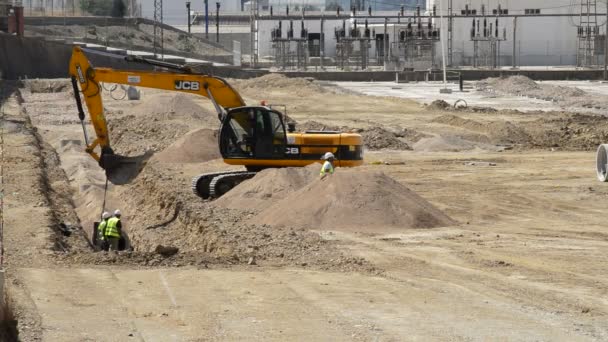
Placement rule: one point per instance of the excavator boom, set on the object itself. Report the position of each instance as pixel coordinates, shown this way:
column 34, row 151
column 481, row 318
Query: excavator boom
column 121, row 169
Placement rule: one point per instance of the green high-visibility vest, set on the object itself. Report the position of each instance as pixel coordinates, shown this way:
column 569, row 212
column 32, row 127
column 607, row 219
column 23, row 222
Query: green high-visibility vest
column 330, row 168
column 101, row 229
column 112, row 227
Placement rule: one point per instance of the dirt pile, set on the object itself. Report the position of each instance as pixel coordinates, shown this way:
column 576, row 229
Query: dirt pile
column 354, row 200
column 48, row 86
column 267, row 187
column 565, row 131
column 450, row 143
column 498, row 132
column 196, row 146
column 438, row 104
column 374, row 138
column 569, row 131
column 157, row 122
column 303, row 86
column 524, row 86
column 162, row 210
column 378, row 138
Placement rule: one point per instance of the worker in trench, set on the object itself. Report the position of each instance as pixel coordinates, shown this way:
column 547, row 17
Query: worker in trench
column 101, row 231
column 114, row 231
column 328, row 165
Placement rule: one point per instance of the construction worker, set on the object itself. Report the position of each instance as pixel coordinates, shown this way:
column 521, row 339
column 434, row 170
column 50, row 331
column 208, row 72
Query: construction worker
column 328, row 165
column 101, row 230
column 114, row 231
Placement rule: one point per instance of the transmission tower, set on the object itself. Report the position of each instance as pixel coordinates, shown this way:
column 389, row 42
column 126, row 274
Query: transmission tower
column 158, row 29
column 588, row 31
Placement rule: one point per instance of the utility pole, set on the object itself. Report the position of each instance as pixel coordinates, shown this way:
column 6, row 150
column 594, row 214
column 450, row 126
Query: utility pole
column 188, row 15
column 514, row 42
column 217, row 22
column 606, row 46
column 206, row 19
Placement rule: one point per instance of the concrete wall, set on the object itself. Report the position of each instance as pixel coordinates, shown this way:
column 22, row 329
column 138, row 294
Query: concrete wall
column 24, row 57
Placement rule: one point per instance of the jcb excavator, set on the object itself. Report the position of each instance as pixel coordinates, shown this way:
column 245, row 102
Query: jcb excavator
column 252, row 136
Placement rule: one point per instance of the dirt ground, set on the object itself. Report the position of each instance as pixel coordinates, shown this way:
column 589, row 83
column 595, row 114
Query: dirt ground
column 526, row 260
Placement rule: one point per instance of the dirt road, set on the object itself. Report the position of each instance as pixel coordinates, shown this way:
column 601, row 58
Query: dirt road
column 528, row 259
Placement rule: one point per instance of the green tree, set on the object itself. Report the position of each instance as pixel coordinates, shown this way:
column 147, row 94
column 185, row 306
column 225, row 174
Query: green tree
column 115, row 8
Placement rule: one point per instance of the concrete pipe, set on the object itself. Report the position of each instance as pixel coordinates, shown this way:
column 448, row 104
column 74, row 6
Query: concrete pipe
column 602, row 163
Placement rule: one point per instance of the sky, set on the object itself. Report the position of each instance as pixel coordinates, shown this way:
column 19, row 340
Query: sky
column 174, row 11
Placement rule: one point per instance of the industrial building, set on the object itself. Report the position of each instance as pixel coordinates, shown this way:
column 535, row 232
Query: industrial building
column 486, row 34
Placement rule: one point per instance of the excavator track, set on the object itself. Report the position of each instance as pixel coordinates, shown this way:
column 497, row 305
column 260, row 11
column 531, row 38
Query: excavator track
column 214, row 184
column 223, row 183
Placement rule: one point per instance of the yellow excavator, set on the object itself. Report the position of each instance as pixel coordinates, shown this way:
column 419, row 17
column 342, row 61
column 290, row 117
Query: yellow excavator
column 253, row 136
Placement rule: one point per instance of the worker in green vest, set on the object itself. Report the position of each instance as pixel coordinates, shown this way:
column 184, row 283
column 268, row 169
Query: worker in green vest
column 113, row 231
column 101, row 230
column 328, row 165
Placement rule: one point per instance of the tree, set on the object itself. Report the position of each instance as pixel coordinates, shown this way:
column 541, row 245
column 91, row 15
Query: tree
column 115, row 8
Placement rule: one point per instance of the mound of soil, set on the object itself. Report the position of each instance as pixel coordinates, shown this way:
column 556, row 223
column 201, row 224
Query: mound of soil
column 158, row 122
column 438, row 104
column 280, row 81
column 524, row 86
column 378, row 138
column 374, row 138
column 267, row 187
column 48, row 86
column 498, row 132
column 196, row 146
column 570, row 131
column 354, row 200
column 449, row 143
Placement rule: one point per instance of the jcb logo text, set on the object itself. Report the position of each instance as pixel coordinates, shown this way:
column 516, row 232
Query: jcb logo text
column 187, row 85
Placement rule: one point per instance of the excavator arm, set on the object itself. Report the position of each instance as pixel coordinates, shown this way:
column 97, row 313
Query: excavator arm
column 88, row 77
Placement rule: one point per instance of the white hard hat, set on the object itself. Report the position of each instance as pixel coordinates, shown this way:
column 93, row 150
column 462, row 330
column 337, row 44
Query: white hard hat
column 116, row 212
column 105, row 215
column 328, row 155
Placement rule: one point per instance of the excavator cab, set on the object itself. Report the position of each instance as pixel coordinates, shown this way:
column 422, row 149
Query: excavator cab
column 252, row 133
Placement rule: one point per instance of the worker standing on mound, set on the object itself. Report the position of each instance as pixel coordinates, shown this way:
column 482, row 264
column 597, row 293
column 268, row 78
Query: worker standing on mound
column 114, row 231
column 328, row 165
column 101, row 231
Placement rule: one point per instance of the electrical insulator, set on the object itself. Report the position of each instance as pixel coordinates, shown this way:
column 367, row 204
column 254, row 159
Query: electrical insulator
column 499, row 10
column 417, row 11
column 369, row 11
column 354, row 10
column 271, row 11
column 287, row 10
column 402, row 10
column 483, row 9
column 434, row 10
column 466, row 9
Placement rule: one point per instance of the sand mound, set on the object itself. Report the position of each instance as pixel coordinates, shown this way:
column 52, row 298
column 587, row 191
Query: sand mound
column 48, row 86
column 171, row 106
column 267, row 187
column 374, row 138
column 449, row 144
column 279, row 81
column 354, row 200
column 438, row 104
column 498, row 132
column 524, row 86
column 378, row 138
column 196, row 146
column 158, row 122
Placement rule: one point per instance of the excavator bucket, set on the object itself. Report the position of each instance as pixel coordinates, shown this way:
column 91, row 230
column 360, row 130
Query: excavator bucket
column 122, row 170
